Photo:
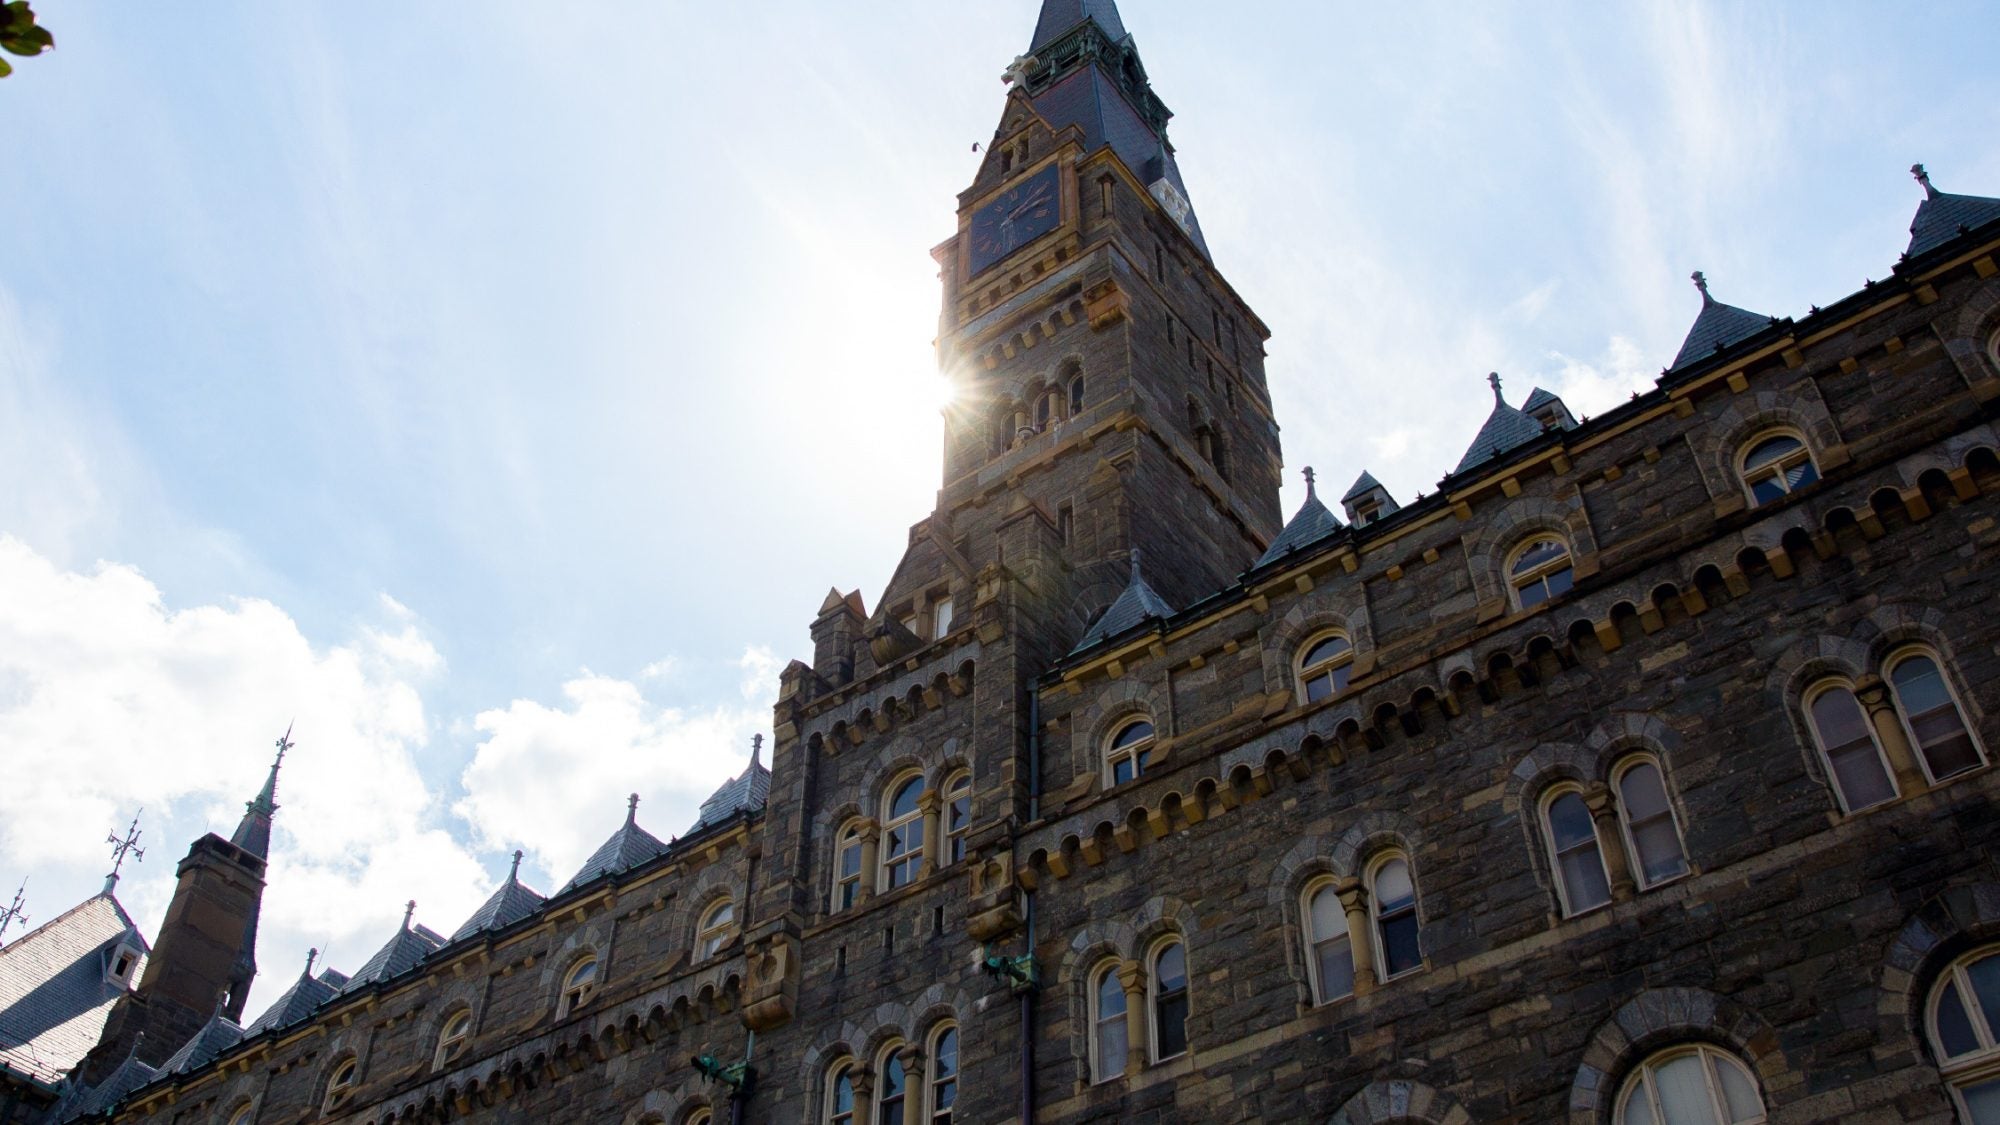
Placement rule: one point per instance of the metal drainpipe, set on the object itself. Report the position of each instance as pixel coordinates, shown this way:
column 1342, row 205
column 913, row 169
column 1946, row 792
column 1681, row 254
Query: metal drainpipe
column 1028, row 994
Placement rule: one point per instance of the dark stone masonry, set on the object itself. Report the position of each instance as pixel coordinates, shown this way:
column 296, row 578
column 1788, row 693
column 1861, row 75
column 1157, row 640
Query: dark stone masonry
column 1641, row 773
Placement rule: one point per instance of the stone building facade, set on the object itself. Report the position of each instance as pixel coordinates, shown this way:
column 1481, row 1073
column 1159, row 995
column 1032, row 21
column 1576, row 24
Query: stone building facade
column 1641, row 773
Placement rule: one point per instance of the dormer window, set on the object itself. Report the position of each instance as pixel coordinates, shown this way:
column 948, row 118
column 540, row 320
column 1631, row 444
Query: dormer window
column 1365, row 514
column 119, row 967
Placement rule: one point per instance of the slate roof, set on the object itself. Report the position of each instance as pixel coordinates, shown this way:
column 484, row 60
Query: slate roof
column 410, row 945
column 1506, row 428
column 1058, row 16
column 80, row 1102
column 1363, row 485
column 253, row 832
column 298, row 1002
column 54, row 997
column 1136, row 605
column 1717, row 327
column 216, row 1036
column 1312, row 524
column 627, row 848
column 508, row 905
column 746, row 792
column 1090, row 100
column 1941, row 215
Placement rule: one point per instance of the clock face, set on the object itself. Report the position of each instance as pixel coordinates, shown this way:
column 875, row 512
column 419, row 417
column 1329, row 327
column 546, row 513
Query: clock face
column 1021, row 214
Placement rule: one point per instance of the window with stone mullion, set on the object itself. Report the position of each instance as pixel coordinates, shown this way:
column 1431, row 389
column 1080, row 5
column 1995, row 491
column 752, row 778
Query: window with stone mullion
column 1936, row 727
column 1852, row 755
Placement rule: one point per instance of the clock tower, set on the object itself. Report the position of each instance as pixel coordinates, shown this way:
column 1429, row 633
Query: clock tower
column 1108, row 378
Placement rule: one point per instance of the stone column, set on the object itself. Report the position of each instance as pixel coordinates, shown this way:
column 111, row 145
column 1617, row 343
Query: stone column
column 930, row 804
column 1138, row 1044
column 871, row 839
column 864, row 1090
column 1874, row 697
column 1611, row 842
column 916, row 1088
column 1354, row 900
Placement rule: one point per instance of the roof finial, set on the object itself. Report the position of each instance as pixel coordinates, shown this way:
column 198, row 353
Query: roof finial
column 14, row 913
column 514, row 872
column 1924, row 178
column 756, row 749
column 1493, row 377
column 120, row 848
column 1135, row 565
column 1309, row 482
column 632, row 809
column 409, row 912
column 312, row 955
column 1701, row 283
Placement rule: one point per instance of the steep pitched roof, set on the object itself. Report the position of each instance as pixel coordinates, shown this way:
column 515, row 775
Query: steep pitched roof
column 1137, row 604
column 1058, row 16
column 1312, row 524
column 627, row 848
column 410, row 945
column 746, row 792
column 1363, row 485
column 1506, row 428
column 1942, row 216
column 1088, row 99
column 54, row 991
column 253, row 832
column 1716, row 328
column 508, row 905
column 81, row 1102
column 298, row 1002
column 216, row 1036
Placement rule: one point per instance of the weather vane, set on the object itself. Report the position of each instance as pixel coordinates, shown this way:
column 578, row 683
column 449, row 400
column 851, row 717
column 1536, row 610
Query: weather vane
column 14, row 913
column 120, row 848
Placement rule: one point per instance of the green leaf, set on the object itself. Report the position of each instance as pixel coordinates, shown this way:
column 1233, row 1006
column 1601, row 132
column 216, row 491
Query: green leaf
column 32, row 43
column 5, row 70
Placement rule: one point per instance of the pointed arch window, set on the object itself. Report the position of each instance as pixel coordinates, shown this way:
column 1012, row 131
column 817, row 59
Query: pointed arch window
column 717, row 929
column 1964, row 1027
column 1539, row 570
column 1330, row 955
column 840, row 1093
column 1696, row 1085
column 957, row 814
column 1129, row 751
column 942, row 1094
column 453, row 1040
column 1075, row 395
column 903, row 833
column 1325, row 666
column 1846, row 741
column 1575, row 853
column 1932, row 716
column 1108, row 1044
column 1775, row 466
column 1651, row 831
column 847, row 866
column 1393, row 901
column 579, row 985
column 1167, row 986
column 891, row 1086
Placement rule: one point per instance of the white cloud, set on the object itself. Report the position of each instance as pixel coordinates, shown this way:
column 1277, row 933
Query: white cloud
column 553, row 780
column 111, row 699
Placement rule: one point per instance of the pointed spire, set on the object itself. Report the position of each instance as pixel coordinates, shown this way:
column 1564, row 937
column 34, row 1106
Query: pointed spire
column 1059, row 16
column 1135, row 567
column 756, row 750
column 120, row 848
column 312, row 955
column 1701, row 283
column 1493, row 377
column 253, row 832
column 514, row 872
column 409, row 912
column 1924, row 178
column 632, row 809
column 1310, row 494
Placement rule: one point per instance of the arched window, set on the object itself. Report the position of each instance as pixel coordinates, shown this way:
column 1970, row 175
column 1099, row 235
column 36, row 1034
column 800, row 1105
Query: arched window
column 453, row 1039
column 957, row 814
column 943, row 1091
column 717, row 929
column 1575, row 853
column 579, row 985
column 847, row 867
column 1167, row 986
column 840, row 1093
column 1046, row 409
column 1329, row 956
column 1107, row 1024
column 1076, row 396
column 1695, row 1085
column 1650, row 829
column 244, row 1115
column 1776, row 465
column 1964, row 1027
column 1931, row 715
column 700, row 1117
column 340, row 1087
column 1539, row 570
column 1324, row 667
column 1847, row 743
column 903, row 834
column 1393, row 901
column 1130, row 751
column 891, row 1086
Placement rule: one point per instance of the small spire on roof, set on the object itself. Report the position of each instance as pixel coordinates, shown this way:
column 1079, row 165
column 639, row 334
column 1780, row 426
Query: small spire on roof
column 1493, row 377
column 409, row 912
column 1923, row 178
column 1701, row 283
column 312, row 955
column 514, row 872
column 1309, row 483
column 1135, row 565
column 756, row 749
column 632, row 809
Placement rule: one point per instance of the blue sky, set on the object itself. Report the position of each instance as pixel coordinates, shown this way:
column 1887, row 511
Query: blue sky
column 496, row 389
